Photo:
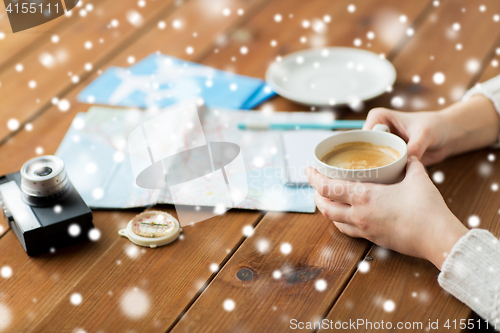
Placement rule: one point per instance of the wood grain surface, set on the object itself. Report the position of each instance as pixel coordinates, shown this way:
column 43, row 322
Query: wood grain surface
column 184, row 286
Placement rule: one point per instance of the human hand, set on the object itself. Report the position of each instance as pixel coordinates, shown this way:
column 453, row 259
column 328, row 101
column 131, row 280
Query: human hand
column 426, row 133
column 410, row 217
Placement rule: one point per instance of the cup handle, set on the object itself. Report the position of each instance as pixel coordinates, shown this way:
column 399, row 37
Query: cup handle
column 381, row 128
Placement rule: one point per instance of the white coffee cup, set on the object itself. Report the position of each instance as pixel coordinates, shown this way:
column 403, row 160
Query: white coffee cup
column 379, row 135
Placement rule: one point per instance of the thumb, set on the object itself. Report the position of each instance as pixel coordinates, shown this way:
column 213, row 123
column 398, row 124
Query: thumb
column 414, row 167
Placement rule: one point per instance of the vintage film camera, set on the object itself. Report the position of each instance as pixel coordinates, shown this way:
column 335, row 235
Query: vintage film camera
column 42, row 207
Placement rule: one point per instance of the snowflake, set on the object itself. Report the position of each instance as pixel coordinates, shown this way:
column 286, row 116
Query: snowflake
column 6, row 272
column 13, row 124
column 229, row 305
column 214, row 267
column 438, row 177
column 76, row 299
column 397, row 102
column 248, row 230
column 176, row 24
column 438, row 78
column 364, row 266
column 74, row 230
column 63, row 105
column 135, row 303
column 286, row 248
column 94, row 234
column 473, row 221
column 263, row 246
column 389, row 306
column 320, row 285
column 134, row 18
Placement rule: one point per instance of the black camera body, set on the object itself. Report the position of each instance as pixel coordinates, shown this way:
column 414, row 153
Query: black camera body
column 43, row 208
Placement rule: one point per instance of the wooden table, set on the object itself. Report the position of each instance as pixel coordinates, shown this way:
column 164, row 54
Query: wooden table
column 176, row 288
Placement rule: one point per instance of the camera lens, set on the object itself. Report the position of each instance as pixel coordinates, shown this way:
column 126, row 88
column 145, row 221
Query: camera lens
column 43, row 171
column 44, row 176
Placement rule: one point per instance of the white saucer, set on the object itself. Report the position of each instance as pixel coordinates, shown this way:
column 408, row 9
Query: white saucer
column 331, row 76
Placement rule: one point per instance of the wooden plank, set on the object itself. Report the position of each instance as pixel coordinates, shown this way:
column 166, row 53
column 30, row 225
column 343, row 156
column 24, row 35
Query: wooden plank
column 147, row 293
column 210, row 244
column 23, row 42
column 55, row 67
column 38, row 284
column 319, row 251
column 264, row 302
column 419, row 298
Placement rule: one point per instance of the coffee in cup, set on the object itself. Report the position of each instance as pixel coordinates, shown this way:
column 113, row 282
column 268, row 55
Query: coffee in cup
column 360, row 155
column 345, row 156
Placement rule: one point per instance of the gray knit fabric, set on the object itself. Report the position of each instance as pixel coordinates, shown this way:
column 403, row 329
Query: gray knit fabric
column 471, row 273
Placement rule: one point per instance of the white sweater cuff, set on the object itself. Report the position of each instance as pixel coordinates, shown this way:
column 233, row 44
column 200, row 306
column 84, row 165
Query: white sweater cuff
column 491, row 90
column 471, row 273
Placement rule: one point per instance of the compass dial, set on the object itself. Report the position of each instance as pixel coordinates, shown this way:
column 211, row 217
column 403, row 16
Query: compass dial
column 154, row 224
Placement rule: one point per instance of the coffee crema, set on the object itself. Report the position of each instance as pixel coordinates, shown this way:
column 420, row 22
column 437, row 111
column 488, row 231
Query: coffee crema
column 360, row 155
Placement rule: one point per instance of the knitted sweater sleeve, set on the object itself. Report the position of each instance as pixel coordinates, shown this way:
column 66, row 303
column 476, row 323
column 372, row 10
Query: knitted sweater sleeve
column 471, row 273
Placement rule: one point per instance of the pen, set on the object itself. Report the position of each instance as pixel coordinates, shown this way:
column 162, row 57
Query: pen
column 337, row 124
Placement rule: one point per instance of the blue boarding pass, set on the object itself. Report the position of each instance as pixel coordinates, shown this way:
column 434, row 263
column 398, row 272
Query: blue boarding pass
column 160, row 80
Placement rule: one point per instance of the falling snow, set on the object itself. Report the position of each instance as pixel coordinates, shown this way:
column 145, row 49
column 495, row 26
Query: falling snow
column 320, row 285
column 248, row 230
column 286, row 248
column 76, row 299
column 6, row 272
column 214, row 267
column 132, row 251
column 229, row 305
column 13, row 124
column 438, row 177
column 397, row 102
column 74, row 230
column 389, row 306
column 473, row 221
column 364, row 266
column 63, row 105
column 263, row 246
column 94, row 234
column 438, row 78
column 135, row 303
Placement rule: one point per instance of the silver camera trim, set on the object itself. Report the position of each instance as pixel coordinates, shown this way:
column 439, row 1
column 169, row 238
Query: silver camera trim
column 43, row 186
column 12, row 203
